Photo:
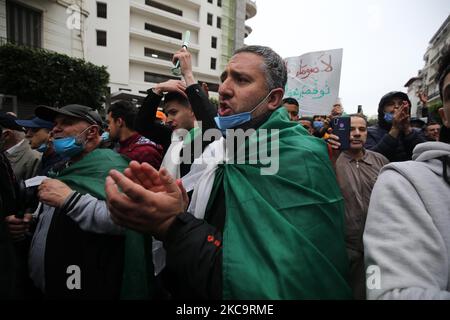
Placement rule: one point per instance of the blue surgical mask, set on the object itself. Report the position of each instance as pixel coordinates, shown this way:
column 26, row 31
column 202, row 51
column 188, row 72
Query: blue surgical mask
column 42, row 148
column 318, row 125
column 69, row 147
column 105, row 136
column 229, row 122
column 388, row 117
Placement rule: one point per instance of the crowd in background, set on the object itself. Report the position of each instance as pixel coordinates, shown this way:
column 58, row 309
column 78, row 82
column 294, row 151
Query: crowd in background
column 123, row 207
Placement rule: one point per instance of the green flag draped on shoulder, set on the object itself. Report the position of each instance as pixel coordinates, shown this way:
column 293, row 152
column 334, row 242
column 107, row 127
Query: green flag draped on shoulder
column 284, row 233
column 88, row 175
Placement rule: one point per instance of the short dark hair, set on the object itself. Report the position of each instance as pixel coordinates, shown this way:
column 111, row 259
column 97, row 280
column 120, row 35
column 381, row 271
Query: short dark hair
column 432, row 123
column 305, row 119
column 290, row 101
column 175, row 96
column 125, row 110
column 318, row 115
column 359, row 115
column 443, row 70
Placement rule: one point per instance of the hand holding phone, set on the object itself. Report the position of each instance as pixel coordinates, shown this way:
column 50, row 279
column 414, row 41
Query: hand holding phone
column 341, row 128
column 177, row 70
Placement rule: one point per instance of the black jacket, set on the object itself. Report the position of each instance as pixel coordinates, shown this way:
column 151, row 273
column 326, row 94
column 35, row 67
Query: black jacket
column 7, row 207
column 379, row 140
column 99, row 257
column 395, row 149
column 147, row 125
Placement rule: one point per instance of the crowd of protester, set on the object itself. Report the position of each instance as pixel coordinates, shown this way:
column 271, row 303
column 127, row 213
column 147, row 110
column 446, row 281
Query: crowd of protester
column 140, row 205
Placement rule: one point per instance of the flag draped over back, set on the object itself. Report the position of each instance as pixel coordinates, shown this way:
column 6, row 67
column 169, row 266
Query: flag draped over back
column 88, row 175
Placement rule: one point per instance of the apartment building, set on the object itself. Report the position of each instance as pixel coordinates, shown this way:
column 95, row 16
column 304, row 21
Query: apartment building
column 135, row 39
column 425, row 81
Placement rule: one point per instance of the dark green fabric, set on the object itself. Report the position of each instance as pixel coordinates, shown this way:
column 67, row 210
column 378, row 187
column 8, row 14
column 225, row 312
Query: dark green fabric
column 138, row 276
column 284, row 233
column 88, row 175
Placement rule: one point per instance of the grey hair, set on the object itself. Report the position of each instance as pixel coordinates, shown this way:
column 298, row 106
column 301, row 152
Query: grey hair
column 274, row 66
column 18, row 135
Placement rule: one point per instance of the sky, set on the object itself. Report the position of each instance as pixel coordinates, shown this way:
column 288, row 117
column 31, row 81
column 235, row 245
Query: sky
column 383, row 41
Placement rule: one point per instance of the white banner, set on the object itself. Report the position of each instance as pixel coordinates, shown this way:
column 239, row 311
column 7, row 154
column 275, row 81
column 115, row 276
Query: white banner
column 313, row 79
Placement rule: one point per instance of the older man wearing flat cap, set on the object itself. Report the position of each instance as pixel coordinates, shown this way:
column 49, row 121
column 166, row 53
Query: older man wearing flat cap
column 76, row 250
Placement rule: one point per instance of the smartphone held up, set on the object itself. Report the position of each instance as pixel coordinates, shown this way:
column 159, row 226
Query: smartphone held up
column 341, row 128
column 176, row 70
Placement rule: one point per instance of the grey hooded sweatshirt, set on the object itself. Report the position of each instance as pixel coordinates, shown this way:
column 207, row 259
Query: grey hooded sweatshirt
column 407, row 233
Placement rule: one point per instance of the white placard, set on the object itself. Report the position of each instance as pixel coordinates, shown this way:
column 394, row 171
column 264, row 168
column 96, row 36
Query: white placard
column 313, row 79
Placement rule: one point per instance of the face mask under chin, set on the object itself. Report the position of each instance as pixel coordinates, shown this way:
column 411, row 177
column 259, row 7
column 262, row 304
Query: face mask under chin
column 230, row 122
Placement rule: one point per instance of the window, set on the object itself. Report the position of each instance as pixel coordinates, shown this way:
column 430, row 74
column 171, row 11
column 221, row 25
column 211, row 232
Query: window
column 213, row 42
column 101, row 10
column 157, row 78
column 210, row 1
column 213, row 63
column 210, row 18
column 219, row 3
column 219, row 22
column 163, row 31
column 148, row 52
column 23, row 24
column 163, row 7
column 101, row 38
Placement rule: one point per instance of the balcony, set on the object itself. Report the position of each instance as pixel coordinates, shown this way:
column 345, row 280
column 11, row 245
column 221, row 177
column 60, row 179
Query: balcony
column 250, row 9
column 433, row 96
column 168, row 42
column 192, row 3
column 174, row 19
column 152, row 62
column 161, row 66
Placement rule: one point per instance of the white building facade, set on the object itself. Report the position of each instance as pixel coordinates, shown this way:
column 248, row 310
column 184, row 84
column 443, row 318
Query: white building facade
column 438, row 42
column 414, row 86
column 425, row 81
column 135, row 39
